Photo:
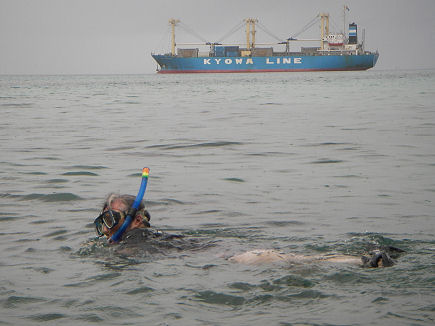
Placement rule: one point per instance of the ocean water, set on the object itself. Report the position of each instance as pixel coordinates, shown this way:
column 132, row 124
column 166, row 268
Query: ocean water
column 305, row 163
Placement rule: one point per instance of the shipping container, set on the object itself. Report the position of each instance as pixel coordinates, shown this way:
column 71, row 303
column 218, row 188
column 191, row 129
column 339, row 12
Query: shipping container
column 309, row 49
column 232, row 48
column 231, row 51
column 187, row 53
column 219, row 51
column 262, row 52
column 232, row 54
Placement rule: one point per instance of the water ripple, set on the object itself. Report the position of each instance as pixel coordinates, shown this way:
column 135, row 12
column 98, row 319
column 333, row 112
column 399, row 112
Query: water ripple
column 327, row 161
column 76, row 173
column 46, row 317
column 16, row 301
column 198, row 145
column 218, row 298
column 56, row 197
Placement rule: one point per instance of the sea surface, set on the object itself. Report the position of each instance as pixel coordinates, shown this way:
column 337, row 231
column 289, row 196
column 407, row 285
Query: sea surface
column 305, row 163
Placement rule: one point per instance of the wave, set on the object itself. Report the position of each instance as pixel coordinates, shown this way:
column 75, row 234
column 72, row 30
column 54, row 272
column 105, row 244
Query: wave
column 85, row 173
column 56, row 197
column 199, row 145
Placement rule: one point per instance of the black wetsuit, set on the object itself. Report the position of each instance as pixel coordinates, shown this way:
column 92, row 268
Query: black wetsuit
column 382, row 257
column 147, row 241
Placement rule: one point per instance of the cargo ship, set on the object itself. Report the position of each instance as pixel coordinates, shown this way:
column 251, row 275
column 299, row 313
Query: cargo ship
column 335, row 52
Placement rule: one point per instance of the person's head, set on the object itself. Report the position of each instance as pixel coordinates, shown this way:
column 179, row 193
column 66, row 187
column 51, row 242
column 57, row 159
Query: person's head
column 113, row 214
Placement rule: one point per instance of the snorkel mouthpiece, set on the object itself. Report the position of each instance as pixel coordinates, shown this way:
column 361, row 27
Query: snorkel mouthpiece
column 132, row 211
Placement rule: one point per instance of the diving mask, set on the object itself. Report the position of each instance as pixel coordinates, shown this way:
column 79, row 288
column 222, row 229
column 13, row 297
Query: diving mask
column 109, row 218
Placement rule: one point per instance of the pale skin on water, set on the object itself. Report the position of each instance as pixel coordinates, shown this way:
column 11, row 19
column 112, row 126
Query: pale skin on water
column 264, row 256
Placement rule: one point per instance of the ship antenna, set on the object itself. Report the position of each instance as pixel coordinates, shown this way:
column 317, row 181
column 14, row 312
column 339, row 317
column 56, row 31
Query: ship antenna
column 345, row 7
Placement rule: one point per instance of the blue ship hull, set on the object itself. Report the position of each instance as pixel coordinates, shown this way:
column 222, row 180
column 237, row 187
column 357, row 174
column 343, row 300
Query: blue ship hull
column 173, row 64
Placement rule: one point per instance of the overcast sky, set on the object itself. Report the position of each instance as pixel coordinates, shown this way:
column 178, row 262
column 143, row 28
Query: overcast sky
column 118, row 36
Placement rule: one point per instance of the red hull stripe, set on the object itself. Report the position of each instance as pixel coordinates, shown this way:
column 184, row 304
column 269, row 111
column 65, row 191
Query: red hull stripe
column 253, row 71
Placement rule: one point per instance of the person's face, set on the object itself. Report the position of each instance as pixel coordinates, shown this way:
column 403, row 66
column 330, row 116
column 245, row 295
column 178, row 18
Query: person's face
column 119, row 207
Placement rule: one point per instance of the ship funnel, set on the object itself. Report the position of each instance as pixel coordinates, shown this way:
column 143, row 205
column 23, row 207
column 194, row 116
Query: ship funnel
column 353, row 33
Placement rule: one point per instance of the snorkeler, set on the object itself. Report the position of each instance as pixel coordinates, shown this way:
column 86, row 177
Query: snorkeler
column 124, row 218
column 116, row 207
column 113, row 215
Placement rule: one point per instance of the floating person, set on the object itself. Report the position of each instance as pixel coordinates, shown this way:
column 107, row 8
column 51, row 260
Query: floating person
column 139, row 232
column 124, row 219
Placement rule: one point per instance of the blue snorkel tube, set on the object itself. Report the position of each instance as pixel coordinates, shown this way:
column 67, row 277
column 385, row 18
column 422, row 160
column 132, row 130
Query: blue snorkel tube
column 132, row 211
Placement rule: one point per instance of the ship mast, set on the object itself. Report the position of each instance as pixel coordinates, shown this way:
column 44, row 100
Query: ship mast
column 173, row 22
column 324, row 29
column 250, row 32
column 253, row 21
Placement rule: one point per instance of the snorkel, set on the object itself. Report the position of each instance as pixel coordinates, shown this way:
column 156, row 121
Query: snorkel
column 133, row 209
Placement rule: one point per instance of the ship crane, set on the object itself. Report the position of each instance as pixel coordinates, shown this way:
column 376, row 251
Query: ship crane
column 173, row 22
column 324, row 30
column 176, row 22
column 251, row 24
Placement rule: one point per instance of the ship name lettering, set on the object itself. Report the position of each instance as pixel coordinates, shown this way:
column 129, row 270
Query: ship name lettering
column 271, row 61
column 249, row 61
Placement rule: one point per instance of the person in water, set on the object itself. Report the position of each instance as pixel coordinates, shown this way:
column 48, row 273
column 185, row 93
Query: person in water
column 116, row 206
column 139, row 237
column 113, row 214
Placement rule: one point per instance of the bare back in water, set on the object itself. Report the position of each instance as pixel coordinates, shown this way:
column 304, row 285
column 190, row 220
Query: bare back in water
column 262, row 256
